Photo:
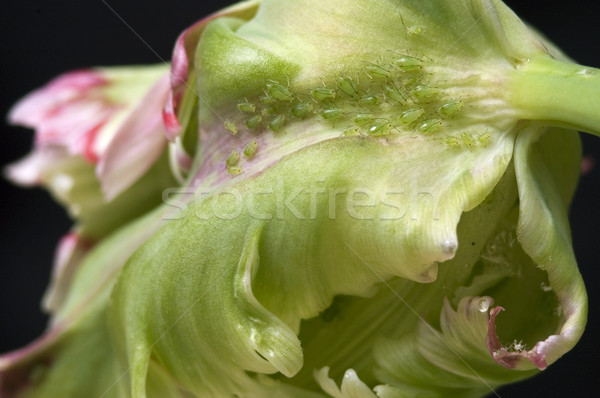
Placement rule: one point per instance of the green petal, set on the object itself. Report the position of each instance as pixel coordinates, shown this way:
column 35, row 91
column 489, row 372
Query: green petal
column 351, row 387
column 77, row 356
column 543, row 231
column 218, row 297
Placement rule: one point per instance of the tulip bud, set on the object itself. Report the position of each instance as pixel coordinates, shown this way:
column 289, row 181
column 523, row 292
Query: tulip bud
column 378, row 195
column 98, row 132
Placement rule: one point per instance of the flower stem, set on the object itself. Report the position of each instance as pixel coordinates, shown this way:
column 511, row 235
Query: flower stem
column 562, row 93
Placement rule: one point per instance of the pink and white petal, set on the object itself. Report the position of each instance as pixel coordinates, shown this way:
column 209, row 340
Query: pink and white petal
column 29, row 170
column 506, row 357
column 38, row 106
column 137, row 144
column 183, row 57
column 69, row 112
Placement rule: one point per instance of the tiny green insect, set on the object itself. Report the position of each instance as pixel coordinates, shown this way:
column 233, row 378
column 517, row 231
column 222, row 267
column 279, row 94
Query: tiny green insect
column 301, row 110
column 430, row 125
column 277, row 123
column 234, row 170
column 380, row 129
column 269, row 110
column 368, row 100
column 376, row 71
column 323, row 93
column 412, row 30
column 345, row 84
column 484, row 138
column 450, row 108
column 331, row 113
column 279, row 91
column 467, row 139
column 350, row 131
column 253, row 121
column 408, row 64
column 247, row 107
column 411, row 81
column 392, row 91
column 424, row 92
column 250, row 149
column 452, row 141
column 233, row 158
column 410, row 116
column 231, row 127
column 363, row 118
column 267, row 99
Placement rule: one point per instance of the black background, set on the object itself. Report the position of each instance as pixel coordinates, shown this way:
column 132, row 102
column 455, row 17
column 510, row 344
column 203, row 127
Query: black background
column 41, row 39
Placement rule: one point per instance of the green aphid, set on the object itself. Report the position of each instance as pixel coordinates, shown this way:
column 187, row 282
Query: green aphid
column 424, row 92
column 267, row 99
column 376, row 71
column 430, row 125
column 253, row 121
column 369, row 100
column 279, row 92
column 452, row 141
column 345, row 84
column 450, row 108
column 410, row 116
column 331, row 113
column 269, row 110
column 301, row 110
column 277, row 123
column 380, row 129
column 233, row 158
column 234, row 170
column 411, row 81
column 250, row 149
column 247, row 107
column 467, row 139
column 363, row 118
column 231, row 127
column 414, row 30
column 323, row 93
column 350, row 131
column 391, row 91
column 408, row 64
column 484, row 138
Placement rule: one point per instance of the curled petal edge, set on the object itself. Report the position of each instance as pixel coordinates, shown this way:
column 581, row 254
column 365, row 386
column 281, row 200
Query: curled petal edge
column 182, row 62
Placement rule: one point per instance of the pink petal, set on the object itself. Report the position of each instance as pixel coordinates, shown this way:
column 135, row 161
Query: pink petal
column 137, row 144
column 35, row 107
column 68, row 112
column 29, row 170
column 16, row 366
column 183, row 53
column 510, row 359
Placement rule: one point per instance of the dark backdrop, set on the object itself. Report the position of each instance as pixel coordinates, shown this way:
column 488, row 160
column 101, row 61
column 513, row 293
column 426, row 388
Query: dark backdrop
column 40, row 39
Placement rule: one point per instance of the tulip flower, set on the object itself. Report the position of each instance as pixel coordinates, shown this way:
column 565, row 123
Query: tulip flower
column 365, row 199
column 98, row 131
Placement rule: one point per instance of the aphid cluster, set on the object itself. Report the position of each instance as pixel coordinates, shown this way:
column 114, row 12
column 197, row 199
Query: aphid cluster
column 233, row 159
column 468, row 140
column 381, row 99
